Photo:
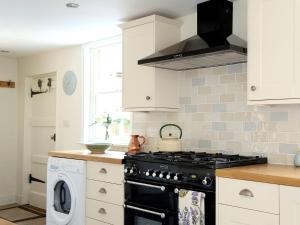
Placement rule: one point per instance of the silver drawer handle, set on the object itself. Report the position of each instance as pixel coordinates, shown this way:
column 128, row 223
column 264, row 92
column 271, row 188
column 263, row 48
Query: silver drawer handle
column 247, row 193
column 102, row 211
column 102, row 191
column 162, row 215
column 162, row 188
column 103, row 171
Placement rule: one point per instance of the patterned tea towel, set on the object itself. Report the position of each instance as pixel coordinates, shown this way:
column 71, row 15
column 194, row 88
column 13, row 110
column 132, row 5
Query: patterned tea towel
column 191, row 208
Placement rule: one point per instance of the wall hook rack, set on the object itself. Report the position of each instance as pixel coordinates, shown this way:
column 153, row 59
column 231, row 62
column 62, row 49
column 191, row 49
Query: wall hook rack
column 7, row 84
column 33, row 93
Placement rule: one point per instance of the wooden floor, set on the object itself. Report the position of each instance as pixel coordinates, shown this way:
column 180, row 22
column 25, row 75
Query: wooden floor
column 4, row 222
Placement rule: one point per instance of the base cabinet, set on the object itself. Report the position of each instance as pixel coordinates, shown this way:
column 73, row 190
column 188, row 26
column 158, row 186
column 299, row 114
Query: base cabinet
column 289, row 205
column 105, row 194
column 229, row 215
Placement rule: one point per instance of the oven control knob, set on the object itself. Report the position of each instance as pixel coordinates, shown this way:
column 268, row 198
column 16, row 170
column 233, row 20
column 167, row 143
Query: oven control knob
column 206, row 181
column 126, row 170
column 155, row 173
column 162, row 175
column 133, row 171
column 148, row 173
column 169, row 176
column 177, row 176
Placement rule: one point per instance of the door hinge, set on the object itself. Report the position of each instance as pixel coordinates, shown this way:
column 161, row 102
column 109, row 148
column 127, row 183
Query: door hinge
column 31, row 179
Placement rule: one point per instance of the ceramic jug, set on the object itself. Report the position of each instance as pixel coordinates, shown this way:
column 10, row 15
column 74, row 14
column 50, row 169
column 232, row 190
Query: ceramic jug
column 135, row 144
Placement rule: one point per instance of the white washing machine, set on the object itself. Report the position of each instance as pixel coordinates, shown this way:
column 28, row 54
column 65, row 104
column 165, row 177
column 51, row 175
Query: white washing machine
column 66, row 180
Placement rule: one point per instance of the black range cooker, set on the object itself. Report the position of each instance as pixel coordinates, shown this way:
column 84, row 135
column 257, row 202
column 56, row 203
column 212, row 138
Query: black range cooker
column 153, row 180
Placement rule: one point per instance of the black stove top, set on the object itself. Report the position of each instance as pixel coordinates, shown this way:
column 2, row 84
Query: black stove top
column 199, row 159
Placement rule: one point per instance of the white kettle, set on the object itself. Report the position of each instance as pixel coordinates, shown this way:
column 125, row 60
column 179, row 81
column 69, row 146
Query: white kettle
column 170, row 143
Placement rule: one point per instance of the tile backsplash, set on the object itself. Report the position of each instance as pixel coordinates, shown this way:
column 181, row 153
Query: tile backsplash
column 215, row 117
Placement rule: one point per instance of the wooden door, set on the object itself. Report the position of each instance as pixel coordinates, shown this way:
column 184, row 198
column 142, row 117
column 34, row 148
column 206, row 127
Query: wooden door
column 289, row 205
column 42, row 139
column 237, row 216
column 271, row 42
column 138, row 81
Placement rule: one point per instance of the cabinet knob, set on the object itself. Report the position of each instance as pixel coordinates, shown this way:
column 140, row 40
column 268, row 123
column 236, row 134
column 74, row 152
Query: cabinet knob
column 148, row 98
column 253, row 88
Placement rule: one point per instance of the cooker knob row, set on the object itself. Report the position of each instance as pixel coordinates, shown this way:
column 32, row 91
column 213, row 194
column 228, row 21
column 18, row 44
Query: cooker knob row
column 132, row 170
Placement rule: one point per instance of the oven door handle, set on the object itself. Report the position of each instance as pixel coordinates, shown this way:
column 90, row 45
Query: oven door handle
column 162, row 188
column 162, row 215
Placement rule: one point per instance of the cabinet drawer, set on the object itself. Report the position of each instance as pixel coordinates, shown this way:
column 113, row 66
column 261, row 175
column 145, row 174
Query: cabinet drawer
column 106, row 192
column 251, row 195
column 95, row 222
column 108, row 213
column 106, row 172
column 229, row 215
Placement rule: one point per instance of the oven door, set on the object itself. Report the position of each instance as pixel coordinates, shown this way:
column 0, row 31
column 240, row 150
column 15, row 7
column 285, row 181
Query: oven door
column 136, row 215
column 152, row 195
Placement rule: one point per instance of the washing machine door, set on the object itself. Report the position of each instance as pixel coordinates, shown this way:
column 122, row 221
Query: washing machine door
column 63, row 200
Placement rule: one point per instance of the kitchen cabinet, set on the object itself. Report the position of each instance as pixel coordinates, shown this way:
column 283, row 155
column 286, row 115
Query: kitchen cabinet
column 246, row 202
column 104, row 194
column 273, row 51
column 229, row 215
column 147, row 88
column 260, row 204
column 289, row 205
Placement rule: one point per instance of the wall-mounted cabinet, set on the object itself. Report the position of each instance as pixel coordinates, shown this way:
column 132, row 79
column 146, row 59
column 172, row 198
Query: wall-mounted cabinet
column 273, row 51
column 146, row 88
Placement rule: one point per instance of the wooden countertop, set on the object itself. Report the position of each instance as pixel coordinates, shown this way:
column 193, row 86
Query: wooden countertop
column 113, row 157
column 266, row 173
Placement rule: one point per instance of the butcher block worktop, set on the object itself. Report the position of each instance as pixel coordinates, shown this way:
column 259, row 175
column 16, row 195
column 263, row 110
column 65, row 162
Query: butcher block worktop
column 113, row 157
column 266, row 173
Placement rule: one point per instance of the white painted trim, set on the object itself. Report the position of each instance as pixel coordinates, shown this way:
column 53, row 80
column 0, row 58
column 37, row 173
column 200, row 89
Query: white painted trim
column 150, row 19
column 8, row 199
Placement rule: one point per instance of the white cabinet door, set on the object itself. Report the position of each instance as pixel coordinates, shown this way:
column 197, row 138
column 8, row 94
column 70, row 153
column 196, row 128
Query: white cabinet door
column 271, row 54
column 229, row 215
column 138, row 81
column 289, row 205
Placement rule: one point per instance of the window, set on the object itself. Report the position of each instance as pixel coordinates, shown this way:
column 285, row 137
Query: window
column 104, row 119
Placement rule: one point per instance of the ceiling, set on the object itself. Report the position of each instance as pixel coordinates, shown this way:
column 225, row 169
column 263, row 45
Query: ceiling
column 32, row 26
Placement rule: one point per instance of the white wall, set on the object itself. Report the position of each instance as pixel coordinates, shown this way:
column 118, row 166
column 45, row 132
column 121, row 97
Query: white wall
column 8, row 132
column 68, row 108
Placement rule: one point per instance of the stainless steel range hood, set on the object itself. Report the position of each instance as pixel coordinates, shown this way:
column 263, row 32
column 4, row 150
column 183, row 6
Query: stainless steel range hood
column 215, row 45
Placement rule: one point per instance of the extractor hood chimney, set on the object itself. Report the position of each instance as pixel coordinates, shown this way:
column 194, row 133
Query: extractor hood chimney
column 214, row 45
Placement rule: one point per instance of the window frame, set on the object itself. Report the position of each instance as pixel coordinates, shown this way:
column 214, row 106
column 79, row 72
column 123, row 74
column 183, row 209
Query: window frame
column 88, row 88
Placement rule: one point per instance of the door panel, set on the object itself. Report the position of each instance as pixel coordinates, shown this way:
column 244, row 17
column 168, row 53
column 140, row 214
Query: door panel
column 138, row 81
column 236, row 216
column 289, row 205
column 271, row 43
column 42, row 128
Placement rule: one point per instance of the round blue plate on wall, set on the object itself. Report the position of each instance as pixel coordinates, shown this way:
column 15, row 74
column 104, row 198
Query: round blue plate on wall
column 69, row 82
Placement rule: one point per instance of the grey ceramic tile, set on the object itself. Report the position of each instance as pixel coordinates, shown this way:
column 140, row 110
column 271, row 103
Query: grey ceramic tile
column 204, row 143
column 250, row 126
column 288, row 148
column 279, row 116
column 185, row 100
column 219, row 108
column 191, row 108
column 198, row 81
column 218, row 126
